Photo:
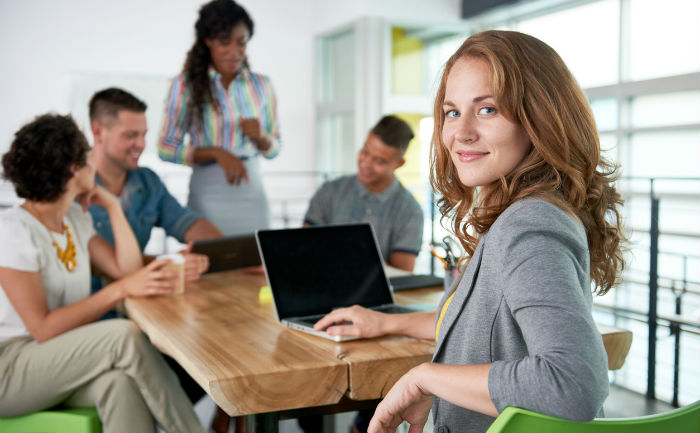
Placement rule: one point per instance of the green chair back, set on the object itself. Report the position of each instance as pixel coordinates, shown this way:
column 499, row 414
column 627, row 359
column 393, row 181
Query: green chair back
column 516, row 420
column 74, row 420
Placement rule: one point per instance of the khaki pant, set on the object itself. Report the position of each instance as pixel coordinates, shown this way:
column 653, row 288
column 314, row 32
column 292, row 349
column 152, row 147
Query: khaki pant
column 109, row 365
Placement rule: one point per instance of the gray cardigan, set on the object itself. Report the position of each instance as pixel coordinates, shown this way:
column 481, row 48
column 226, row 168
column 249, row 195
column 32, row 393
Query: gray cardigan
column 524, row 304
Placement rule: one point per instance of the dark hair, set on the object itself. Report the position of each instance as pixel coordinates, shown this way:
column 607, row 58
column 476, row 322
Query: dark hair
column 42, row 155
column 108, row 103
column 393, row 132
column 534, row 88
column 216, row 20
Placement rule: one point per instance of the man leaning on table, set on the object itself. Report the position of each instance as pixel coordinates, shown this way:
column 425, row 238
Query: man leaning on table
column 376, row 196
column 118, row 125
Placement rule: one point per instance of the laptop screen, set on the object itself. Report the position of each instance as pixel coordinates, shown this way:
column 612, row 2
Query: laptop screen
column 313, row 270
column 229, row 252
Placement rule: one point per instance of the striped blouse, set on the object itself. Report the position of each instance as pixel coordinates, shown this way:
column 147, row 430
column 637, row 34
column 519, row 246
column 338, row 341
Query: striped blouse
column 249, row 95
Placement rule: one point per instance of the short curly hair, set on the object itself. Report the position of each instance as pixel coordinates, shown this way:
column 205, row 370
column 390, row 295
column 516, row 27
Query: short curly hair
column 42, row 157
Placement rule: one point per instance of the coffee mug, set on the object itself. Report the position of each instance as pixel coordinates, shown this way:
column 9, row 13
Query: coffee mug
column 177, row 264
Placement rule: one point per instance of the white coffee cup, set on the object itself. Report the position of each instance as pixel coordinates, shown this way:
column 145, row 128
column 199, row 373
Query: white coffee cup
column 177, row 264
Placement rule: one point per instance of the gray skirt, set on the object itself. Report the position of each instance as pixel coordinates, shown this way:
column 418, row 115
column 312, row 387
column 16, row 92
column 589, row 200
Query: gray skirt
column 233, row 209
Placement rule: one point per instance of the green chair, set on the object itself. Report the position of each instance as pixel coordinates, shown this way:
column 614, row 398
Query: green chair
column 74, row 420
column 516, row 420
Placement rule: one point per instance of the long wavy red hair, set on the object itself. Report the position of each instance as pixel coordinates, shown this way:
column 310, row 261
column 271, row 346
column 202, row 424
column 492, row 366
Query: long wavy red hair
column 533, row 87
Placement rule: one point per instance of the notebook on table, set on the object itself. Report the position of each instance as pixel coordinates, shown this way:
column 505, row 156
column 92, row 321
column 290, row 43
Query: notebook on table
column 313, row 270
column 229, row 252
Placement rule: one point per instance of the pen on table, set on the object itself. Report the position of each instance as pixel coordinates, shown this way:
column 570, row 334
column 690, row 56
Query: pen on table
column 444, row 263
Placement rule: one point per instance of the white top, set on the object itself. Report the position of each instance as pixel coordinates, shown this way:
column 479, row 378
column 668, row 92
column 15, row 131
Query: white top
column 27, row 245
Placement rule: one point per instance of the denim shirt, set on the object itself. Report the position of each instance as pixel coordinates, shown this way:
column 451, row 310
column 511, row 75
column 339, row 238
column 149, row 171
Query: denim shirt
column 147, row 204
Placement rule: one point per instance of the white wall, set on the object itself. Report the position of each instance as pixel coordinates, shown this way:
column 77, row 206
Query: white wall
column 48, row 47
column 55, row 54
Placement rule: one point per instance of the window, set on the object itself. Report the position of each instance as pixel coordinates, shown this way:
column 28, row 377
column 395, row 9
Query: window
column 664, row 38
column 665, row 109
column 586, row 37
column 335, row 137
column 337, row 54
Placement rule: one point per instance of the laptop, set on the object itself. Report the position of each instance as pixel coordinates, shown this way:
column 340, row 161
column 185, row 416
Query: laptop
column 313, row 270
column 229, row 252
column 415, row 281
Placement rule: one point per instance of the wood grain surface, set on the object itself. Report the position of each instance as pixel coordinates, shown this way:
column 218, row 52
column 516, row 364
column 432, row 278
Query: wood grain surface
column 225, row 334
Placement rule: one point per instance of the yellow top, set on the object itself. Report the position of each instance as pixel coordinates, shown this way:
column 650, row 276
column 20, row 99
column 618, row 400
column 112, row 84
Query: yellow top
column 442, row 314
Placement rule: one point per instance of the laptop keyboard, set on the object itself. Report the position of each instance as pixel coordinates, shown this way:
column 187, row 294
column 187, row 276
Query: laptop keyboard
column 310, row 320
column 388, row 309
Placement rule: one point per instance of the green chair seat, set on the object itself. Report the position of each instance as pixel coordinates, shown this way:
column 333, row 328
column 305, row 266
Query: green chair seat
column 517, row 420
column 74, row 420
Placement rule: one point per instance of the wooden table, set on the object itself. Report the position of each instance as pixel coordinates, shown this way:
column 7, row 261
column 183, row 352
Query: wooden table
column 228, row 339
column 617, row 342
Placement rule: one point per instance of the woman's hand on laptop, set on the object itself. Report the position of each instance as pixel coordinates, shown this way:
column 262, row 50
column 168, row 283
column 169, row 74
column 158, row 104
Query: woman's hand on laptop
column 355, row 321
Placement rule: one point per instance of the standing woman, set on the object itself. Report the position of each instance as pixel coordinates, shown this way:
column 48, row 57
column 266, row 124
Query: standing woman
column 516, row 158
column 51, row 349
column 230, row 115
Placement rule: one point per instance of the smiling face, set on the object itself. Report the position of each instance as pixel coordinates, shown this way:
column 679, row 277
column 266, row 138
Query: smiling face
column 376, row 163
column 483, row 144
column 228, row 51
column 120, row 141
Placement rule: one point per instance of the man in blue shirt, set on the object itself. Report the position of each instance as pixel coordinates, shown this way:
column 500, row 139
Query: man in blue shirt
column 118, row 125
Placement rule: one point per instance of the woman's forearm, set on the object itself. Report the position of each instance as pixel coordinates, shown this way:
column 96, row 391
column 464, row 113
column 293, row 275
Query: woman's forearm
column 126, row 247
column 207, row 154
column 465, row 386
column 416, row 325
column 71, row 316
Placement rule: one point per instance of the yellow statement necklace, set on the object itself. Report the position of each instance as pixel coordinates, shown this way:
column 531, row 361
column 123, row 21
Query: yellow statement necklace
column 67, row 256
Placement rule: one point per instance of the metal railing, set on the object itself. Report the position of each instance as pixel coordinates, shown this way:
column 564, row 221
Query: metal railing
column 676, row 323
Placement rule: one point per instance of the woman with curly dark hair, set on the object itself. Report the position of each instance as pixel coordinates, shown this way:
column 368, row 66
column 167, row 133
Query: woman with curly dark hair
column 230, row 115
column 51, row 352
column 516, row 158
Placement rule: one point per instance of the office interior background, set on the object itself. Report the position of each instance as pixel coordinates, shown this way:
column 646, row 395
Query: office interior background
column 338, row 65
